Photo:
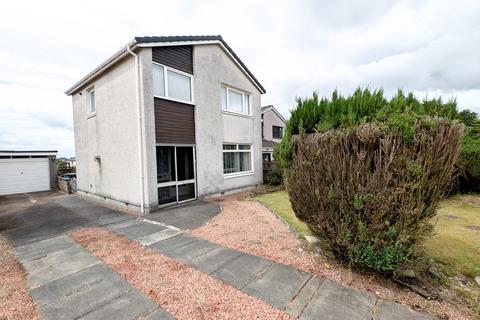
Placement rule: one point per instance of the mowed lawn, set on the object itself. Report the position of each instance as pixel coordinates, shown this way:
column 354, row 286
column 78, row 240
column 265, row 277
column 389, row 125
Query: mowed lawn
column 455, row 244
column 279, row 203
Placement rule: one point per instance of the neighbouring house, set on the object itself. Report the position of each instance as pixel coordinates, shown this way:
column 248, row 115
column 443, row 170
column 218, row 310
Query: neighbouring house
column 273, row 125
column 27, row 171
column 71, row 162
column 167, row 120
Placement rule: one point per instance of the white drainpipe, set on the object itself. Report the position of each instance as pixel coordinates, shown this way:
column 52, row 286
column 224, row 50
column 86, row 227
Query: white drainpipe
column 139, row 118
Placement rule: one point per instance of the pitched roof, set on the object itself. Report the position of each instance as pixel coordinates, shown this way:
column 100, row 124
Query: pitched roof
column 154, row 41
column 271, row 107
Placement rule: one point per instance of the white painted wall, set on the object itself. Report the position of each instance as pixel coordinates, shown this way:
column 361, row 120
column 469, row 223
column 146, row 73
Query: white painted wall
column 212, row 68
column 110, row 134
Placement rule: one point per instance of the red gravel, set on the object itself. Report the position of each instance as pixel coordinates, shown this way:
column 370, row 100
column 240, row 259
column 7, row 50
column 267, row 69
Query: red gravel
column 250, row 227
column 181, row 290
column 15, row 300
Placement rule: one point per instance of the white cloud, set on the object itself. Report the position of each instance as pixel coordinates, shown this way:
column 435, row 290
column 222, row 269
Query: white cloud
column 428, row 47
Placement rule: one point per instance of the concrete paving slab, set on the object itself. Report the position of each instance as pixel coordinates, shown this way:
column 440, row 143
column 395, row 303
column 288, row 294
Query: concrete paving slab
column 214, row 259
column 121, row 224
column 187, row 252
column 72, row 296
column 157, row 236
column 43, row 248
column 242, row 270
column 388, row 310
column 333, row 301
column 139, row 229
column 159, row 314
column 51, row 260
column 60, row 266
column 300, row 301
column 170, row 244
column 76, row 284
column 131, row 305
column 277, row 285
column 112, row 218
column 36, row 246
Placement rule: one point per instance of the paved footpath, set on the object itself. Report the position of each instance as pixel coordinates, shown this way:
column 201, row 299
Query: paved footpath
column 298, row 293
column 67, row 282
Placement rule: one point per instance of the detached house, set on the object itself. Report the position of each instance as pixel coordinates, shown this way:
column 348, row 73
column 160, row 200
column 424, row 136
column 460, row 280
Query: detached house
column 166, row 120
column 273, row 125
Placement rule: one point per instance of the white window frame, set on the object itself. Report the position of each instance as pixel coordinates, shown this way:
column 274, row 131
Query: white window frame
column 88, row 92
column 241, row 173
column 165, row 83
column 245, row 97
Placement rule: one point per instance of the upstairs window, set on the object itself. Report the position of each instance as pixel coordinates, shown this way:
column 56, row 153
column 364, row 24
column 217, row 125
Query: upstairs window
column 277, row 132
column 235, row 101
column 91, row 107
column 172, row 84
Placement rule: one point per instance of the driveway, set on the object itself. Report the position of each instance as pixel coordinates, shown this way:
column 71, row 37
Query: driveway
column 68, row 282
column 65, row 280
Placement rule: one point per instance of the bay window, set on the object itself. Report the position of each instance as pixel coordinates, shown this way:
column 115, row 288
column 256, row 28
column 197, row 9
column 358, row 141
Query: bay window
column 172, row 84
column 237, row 159
column 235, row 101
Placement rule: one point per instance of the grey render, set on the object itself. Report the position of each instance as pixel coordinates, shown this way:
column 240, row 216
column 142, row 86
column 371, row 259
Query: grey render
column 106, row 144
column 270, row 117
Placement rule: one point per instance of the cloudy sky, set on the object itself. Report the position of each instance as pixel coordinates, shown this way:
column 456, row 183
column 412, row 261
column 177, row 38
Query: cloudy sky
column 293, row 47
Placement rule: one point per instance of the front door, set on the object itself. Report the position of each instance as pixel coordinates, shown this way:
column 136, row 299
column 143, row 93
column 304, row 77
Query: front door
column 175, row 173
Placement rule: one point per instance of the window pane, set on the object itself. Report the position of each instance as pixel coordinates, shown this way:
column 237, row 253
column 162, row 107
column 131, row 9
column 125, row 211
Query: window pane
column 277, row 132
column 92, row 101
column 235, row 101
column 167, row 194
column 229, row 147
column 235, row 162
column 245, row 161
column 165, row 164
column 178, row 86
column 244, row 146
column 184, row 163
column 223, row 94
column 158, row 81
column 246, row 105
column 186, row 191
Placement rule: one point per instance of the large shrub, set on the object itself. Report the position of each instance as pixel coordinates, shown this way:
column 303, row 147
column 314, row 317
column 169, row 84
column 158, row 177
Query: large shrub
column 469, row 179
column 365, row 173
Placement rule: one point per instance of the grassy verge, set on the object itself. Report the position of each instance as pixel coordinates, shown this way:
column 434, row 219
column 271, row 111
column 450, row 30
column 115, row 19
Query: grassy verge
column 456, row 243
column 279, row 203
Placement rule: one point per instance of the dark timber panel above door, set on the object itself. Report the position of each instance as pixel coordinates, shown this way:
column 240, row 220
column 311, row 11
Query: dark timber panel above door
column 174, row 122
column 177, row 57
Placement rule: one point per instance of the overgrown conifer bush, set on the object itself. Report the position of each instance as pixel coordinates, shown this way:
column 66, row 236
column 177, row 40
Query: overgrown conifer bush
column 366, row 173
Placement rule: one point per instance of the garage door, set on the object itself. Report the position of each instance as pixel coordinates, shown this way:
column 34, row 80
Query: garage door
column 24, row 175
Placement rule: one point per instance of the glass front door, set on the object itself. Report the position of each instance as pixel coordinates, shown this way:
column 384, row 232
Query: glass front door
column 175, row 174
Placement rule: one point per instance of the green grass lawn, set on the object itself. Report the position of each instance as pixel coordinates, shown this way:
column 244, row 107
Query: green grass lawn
column 456, row 243
column 279, row 203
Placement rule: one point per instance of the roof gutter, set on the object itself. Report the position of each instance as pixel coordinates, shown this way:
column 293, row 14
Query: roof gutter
column 139, row 123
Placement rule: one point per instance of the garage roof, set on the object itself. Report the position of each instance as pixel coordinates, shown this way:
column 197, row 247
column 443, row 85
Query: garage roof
column 28, row 152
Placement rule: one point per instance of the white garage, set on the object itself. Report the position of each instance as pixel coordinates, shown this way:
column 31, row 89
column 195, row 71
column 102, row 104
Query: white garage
column 26, row 171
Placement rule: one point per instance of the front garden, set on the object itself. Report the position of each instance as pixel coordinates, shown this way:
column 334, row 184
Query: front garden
column 368, row 176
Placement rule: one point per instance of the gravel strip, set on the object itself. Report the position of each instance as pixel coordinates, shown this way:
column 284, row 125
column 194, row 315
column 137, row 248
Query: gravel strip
column 251, row 228
column 184, row 292
column 15, row 300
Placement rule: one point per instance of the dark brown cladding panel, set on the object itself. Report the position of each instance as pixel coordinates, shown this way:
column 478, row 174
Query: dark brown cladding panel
column 174, row 122
column 177, row 57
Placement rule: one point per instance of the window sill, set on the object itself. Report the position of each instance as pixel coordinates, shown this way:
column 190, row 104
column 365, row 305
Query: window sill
column 175, row 100
column 232, row 113
column 240, row 174
column 91, row 115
